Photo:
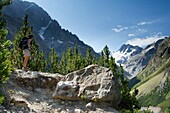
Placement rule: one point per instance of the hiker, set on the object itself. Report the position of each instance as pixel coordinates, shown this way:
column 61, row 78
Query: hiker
column 26, row 50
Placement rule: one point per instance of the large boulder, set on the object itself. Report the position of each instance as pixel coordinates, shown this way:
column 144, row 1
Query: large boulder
column 67, row 90
column 93, row 83
column 34, row 79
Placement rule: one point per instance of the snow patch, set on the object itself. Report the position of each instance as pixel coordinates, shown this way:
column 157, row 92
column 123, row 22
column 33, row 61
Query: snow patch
column 42, row 30
column 71, row 42
column 148, row 49
column 59, row 41
column 29, row 7
column 122, row 57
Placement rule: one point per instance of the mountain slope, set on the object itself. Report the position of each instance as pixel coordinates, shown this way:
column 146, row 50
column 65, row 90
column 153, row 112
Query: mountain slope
column 48, row 33
column 154, row 82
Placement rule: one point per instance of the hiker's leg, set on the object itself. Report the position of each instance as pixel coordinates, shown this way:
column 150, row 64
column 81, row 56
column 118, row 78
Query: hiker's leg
column 24, row 64
column 27, row 55
column 25, row 61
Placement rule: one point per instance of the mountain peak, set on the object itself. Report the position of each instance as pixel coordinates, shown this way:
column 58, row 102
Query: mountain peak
column 125, row 52
column 128, row 48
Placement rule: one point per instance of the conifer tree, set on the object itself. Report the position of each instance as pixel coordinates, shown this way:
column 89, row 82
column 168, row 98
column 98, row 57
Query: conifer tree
column 54, row 64
column 76, row 60
column 106, row 55
column 5, row 64
column 34, row 56
column 81, row 61
column 69, row 61
column 94, row 60
column 128, row 101
column 40, row 62
column 101, row 59
column 89, row 57
column 123, row 81
column 113, row 66
column 2, row 4
column 63, row 63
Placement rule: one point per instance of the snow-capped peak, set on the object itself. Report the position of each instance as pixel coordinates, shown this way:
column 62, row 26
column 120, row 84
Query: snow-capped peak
column 125, row 52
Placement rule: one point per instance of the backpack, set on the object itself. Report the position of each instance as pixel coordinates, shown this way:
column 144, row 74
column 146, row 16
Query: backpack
column 23, row 44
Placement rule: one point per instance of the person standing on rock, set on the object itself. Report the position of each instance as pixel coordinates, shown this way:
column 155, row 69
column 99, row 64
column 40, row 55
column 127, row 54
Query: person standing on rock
column 26, row 47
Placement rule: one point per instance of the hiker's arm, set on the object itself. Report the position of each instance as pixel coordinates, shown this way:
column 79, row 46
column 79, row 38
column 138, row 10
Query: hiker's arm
column 29, row 41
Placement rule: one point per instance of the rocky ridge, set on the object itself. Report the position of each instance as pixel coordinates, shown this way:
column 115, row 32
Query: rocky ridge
column 34, row 92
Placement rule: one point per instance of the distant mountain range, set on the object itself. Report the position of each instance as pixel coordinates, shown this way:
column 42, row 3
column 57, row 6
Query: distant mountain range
column 134, row 58
column 47, row 32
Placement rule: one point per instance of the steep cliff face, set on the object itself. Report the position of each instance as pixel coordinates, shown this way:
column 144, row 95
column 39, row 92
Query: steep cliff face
column 48, row 33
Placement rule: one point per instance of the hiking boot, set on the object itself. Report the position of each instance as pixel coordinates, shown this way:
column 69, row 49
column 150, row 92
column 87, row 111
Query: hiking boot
column 25, row 69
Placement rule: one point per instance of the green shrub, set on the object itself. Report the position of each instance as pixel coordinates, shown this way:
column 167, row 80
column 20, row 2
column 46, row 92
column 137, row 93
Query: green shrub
column 167, row 110
column 1, row 99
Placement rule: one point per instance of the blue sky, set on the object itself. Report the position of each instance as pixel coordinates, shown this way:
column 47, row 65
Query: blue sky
column 111, row 22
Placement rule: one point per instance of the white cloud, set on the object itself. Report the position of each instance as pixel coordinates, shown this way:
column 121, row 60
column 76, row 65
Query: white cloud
column 147, row 23
column 141, row 31
column 143, row 23
column 143, row 42
column 119, row 28
column 131, row 35
column 137, row 32
column 125, row 27
column 134, row 26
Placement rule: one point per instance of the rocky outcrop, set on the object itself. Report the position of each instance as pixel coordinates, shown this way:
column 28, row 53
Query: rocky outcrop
column 93, row 83
column 33, row 91
column 34, row 79
column 67, row 90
